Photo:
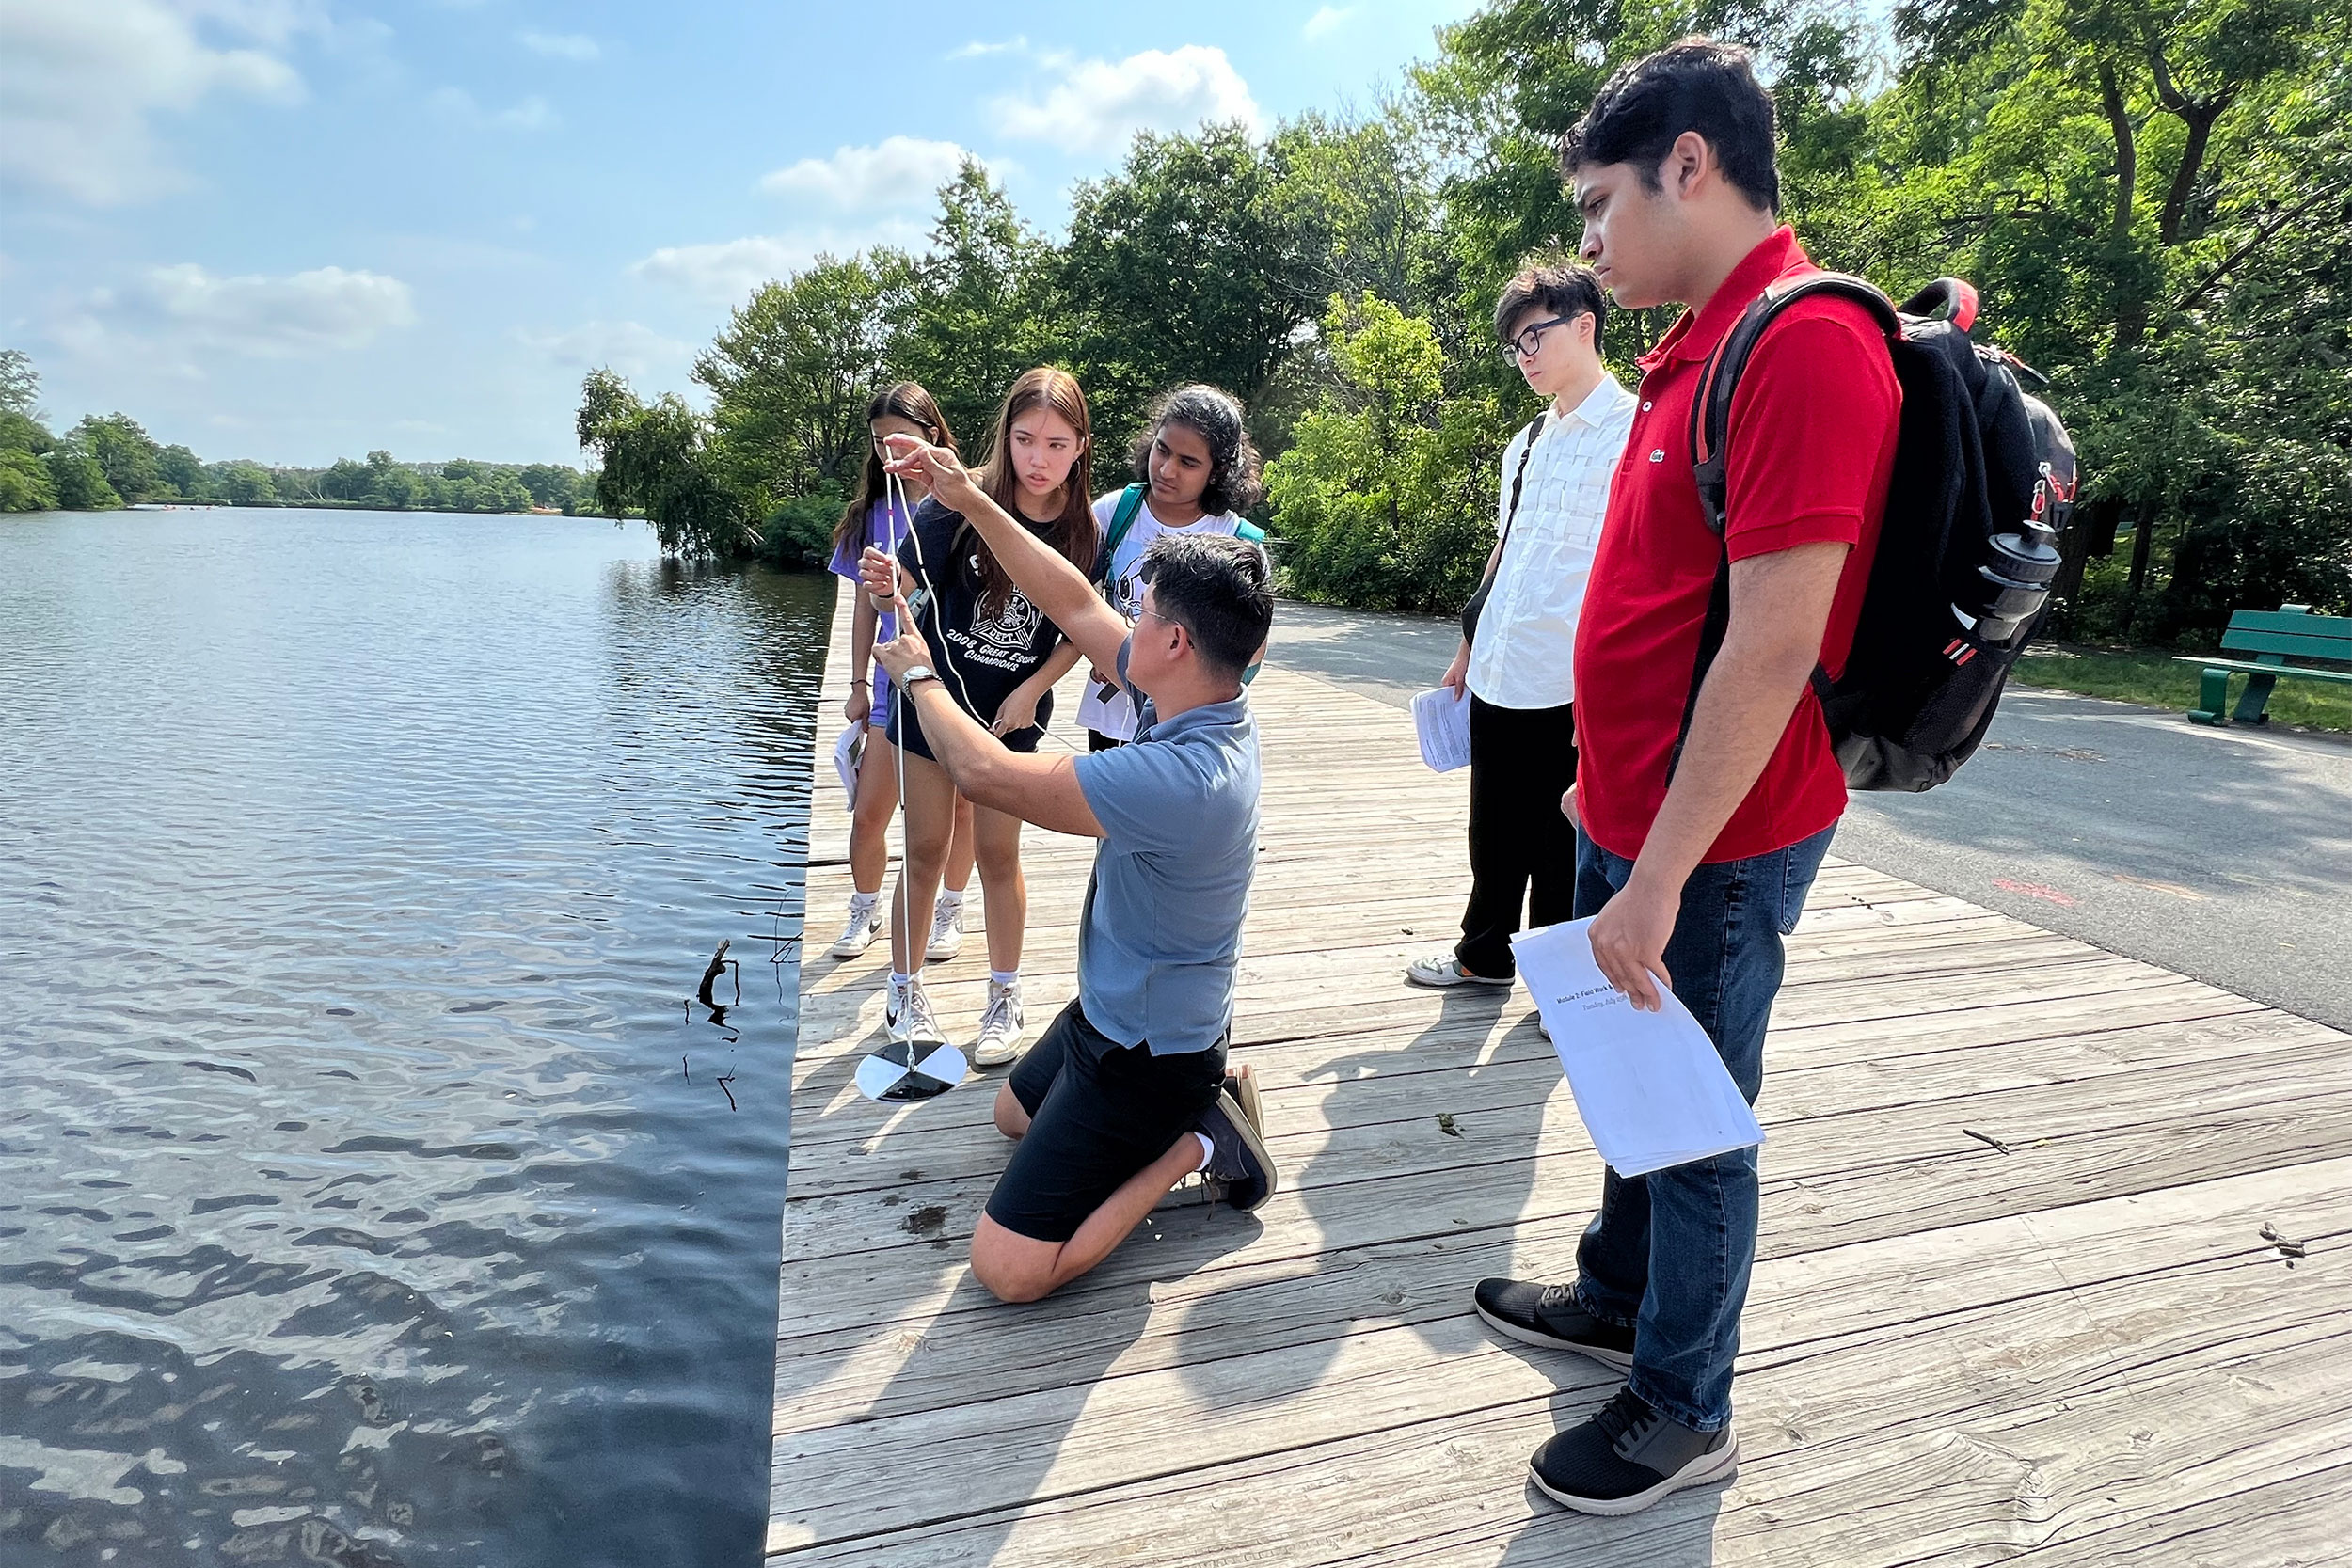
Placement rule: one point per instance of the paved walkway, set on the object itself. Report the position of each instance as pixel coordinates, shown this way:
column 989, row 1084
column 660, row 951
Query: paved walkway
column 2224, row 853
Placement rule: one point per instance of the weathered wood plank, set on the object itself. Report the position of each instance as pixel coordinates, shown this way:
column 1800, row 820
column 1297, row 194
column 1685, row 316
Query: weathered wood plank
column 2076, row 1351
column 1872, row 1173
column 1507, row 1086
column 1854, row 1361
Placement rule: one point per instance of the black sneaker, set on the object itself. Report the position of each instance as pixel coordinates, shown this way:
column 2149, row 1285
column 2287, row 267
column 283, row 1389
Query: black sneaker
column 1548, row 1315
column 1629, row 1456
column 1241, row 1167
column 1243, row 1086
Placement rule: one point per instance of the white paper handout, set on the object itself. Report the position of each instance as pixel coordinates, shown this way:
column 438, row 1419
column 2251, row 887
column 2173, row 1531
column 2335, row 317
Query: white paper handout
column 1442, row 718
column 846, row 752
column 1650, row 1087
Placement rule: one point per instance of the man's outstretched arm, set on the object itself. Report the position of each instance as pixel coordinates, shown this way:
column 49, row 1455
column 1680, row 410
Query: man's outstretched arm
column 1040, row 572
column 1043, row 790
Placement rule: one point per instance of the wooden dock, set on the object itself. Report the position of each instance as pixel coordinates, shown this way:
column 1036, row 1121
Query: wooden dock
column 2015, row 1297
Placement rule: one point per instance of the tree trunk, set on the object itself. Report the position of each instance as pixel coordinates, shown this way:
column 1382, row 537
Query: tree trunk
column 2126, row 148
column 2131, row 307
column 2090, row 532
column 2199, row 118
column 2143, row 537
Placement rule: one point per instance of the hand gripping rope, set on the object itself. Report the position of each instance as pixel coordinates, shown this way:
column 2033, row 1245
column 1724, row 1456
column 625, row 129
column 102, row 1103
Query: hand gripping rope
column 919, row 1068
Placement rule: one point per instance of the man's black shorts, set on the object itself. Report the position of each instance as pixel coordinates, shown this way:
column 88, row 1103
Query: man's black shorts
column 1098, row 1112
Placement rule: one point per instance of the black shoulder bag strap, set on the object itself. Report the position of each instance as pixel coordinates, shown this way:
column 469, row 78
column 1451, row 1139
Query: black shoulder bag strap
column 1711, row 429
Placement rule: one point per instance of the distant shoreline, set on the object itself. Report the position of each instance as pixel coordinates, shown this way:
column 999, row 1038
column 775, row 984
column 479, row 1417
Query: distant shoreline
column 326, row 505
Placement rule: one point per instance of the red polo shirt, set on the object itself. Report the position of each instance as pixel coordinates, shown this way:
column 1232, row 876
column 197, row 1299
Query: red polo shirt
column 1811, row 446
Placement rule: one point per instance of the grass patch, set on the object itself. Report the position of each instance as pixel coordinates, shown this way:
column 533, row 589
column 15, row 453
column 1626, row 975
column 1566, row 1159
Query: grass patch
column 2152, row 679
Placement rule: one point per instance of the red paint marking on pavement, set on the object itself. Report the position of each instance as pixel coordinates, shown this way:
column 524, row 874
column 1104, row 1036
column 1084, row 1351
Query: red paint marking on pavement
column 2034, row 890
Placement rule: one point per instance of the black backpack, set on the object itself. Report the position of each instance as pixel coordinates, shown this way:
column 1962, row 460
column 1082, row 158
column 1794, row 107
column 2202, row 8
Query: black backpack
column 1984, row 478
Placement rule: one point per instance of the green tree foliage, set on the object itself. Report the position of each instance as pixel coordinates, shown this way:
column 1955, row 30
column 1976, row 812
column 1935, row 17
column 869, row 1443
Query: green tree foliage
column 24, row 482
column 981, row 310
column 551, row 485
column 1187, row 265
column 124, row 451
column 23, row 433
column 108, row 460
column 1384, row 498
column 80, row 482
column 20, row 384
column 461, row 485
column 791, row 372
column 181, row 471
column 798, row 534
column 2154, row 199
column 241, row 483
column 656, row 461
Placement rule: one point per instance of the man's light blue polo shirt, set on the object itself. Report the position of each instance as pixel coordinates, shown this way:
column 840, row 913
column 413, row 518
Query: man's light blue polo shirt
column 1161, row 933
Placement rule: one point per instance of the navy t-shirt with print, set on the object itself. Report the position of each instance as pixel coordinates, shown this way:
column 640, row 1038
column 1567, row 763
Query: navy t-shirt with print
column 983, row 652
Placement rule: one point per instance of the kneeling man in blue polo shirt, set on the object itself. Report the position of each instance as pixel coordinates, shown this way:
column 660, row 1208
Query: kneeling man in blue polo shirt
column 1126, row 1093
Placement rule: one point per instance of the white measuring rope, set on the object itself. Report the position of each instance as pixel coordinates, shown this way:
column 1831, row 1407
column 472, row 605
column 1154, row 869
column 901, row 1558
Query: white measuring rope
column 883, row 1075
column 895, row 493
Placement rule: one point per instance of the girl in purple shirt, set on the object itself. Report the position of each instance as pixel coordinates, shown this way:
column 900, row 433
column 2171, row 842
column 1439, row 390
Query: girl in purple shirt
column 902, row 409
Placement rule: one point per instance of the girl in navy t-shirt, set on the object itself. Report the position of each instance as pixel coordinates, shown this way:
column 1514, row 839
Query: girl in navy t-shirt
column 874, row 519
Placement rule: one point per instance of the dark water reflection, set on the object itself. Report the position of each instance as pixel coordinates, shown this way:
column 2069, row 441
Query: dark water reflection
column 368, row 1191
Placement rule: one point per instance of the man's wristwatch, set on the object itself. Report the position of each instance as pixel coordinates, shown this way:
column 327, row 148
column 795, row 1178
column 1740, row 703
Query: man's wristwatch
column 917, row 672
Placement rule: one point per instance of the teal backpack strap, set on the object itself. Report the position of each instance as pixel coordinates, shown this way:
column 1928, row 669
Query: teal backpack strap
column 1256, row 535
column 1123, row 518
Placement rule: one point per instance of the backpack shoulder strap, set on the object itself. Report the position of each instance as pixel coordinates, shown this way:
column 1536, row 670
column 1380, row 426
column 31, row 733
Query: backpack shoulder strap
column 1122, row 519
column 1711, row 426
column 1710, row 407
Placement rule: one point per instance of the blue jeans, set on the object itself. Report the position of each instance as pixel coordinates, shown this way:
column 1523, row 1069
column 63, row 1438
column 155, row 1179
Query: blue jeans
column 1669, row 1253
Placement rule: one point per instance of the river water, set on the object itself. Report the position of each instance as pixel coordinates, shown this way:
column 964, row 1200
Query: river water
column 372, row 1190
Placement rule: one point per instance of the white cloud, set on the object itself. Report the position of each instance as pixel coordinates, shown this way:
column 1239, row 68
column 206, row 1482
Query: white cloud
column 180, row 313
column 81, row 79
column 1325, row 22
column 900, row 172
column 457, row 105
column 635, row 349
column 1096, row 105
column 1017, row 45
column 723, row 273
column 561, row 46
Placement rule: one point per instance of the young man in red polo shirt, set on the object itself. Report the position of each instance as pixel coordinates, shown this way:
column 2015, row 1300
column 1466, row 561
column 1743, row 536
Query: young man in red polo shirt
column 1705, row 800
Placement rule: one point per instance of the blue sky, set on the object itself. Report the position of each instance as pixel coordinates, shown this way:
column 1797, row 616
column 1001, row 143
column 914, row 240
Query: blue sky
column 294, row 230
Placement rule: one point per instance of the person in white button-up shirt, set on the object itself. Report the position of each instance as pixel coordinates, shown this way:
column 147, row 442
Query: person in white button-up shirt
column 1518, row 672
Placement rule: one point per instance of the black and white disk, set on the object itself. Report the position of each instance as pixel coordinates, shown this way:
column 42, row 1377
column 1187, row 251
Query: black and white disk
column 918, row 1070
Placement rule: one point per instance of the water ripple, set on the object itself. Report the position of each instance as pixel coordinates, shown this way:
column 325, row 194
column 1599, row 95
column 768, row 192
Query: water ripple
column 352, row 868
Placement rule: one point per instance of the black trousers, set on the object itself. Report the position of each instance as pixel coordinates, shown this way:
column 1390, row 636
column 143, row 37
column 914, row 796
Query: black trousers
column 1522, row 852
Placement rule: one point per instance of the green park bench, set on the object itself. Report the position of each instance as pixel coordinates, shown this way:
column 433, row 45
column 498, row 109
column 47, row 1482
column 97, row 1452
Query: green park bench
column 2272, row 636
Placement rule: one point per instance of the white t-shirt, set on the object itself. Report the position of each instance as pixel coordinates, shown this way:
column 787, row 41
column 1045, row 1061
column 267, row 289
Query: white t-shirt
column 1114, row 714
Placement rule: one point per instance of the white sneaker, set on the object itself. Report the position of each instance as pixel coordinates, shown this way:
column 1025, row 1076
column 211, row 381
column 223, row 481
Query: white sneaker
column 1442, row 970
column 866, row 924
column 1000, row 1026
column 907, row 1012
column 947, row 931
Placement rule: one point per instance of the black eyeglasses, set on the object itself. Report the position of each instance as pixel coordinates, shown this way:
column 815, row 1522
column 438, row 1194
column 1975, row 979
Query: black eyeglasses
column 1531, row 339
